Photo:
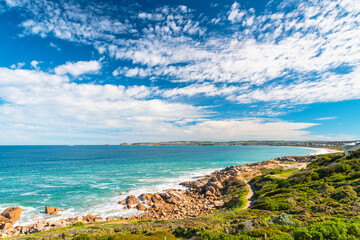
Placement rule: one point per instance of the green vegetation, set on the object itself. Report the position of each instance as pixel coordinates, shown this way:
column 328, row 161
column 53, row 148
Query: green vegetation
column 284, row 173
column 317, row 203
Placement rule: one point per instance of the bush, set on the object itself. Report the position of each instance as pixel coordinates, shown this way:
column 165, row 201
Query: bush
column 185, row 232
column 354, row 155
column 267, row 203
column 344, row 194
column 329, row 230
column 281, row 219
column 82, row 236
column 79, row 224
column 207, row 235
column 156, row 236
column 284, row 236
column 236, row 202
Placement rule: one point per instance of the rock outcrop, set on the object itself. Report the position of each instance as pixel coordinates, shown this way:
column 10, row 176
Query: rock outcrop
column 8, row 231
column 12, row 213
column 204, row 193
column 52, row 210
column 132, row 200
column 140, row 207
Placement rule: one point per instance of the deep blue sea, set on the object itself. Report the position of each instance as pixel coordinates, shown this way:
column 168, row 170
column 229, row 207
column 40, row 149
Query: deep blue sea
column 90, row 179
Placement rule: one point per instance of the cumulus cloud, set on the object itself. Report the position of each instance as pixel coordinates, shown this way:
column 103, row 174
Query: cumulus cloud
column 235, row 14
column 51, row 104
column 78, row 68
column 40, row 107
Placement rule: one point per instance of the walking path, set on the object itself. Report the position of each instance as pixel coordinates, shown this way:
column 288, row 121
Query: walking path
column 250, row 197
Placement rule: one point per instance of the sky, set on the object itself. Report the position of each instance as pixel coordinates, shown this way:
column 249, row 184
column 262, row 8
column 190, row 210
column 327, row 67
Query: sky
column 107, row 72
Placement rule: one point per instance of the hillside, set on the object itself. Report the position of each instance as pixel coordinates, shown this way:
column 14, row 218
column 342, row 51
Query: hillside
column 319, row 202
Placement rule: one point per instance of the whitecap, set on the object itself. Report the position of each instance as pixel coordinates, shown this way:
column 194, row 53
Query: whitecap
column 29, row 193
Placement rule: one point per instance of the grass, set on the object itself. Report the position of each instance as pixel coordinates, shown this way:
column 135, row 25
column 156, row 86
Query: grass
column 285, row 173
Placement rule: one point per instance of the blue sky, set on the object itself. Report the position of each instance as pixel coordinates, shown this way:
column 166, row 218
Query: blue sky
column 95, row 72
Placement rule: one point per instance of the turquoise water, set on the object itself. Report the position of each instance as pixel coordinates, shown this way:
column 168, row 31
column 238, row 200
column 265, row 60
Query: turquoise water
column 89, row 179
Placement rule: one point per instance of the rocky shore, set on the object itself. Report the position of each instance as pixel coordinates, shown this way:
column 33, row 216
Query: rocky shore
column 202, row 195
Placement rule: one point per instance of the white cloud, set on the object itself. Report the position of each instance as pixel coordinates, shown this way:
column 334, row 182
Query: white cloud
column 194, row 89
column 14, row 3
column 55, row 46
column 329, row 88
column 257, row 129
column 35, row 64
column 78, row 68
column 52, row 105
column 236, row 15
column 151, row 16
column 17, row 66
column 40, row 106
column 325, row 118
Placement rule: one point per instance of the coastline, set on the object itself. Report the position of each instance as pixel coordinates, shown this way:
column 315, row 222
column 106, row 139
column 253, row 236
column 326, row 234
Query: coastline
column 185, row 193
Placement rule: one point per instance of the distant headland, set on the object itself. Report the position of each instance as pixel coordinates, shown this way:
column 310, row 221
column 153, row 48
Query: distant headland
column 313, row 144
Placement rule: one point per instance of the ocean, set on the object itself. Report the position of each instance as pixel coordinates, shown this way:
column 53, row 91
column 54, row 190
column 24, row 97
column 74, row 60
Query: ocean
column 92, row 179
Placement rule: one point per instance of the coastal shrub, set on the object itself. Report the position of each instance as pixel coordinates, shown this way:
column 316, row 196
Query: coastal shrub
column 278, row 191
column 208, row 235
column 156, row 236
column 270, row 233
column 281, row 219
column 184, row 232
column 330, row 230
column 267, row 203
column 79, row 224
column 313, row 176
column 355, row 154
column 83, row 236
column 354, row 175
column 324, row 160
column 344, row 194
column 236, row 202
column 284, row 236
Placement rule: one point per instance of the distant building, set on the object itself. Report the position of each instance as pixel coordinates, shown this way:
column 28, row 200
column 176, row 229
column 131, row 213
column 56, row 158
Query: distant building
column 350, row 148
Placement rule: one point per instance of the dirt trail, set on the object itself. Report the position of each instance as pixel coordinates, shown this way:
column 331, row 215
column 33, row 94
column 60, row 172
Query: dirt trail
column 250, row 197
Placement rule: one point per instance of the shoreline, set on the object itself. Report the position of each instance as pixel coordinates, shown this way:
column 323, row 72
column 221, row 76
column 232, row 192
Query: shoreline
column 107, row 206
column 213, row 201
